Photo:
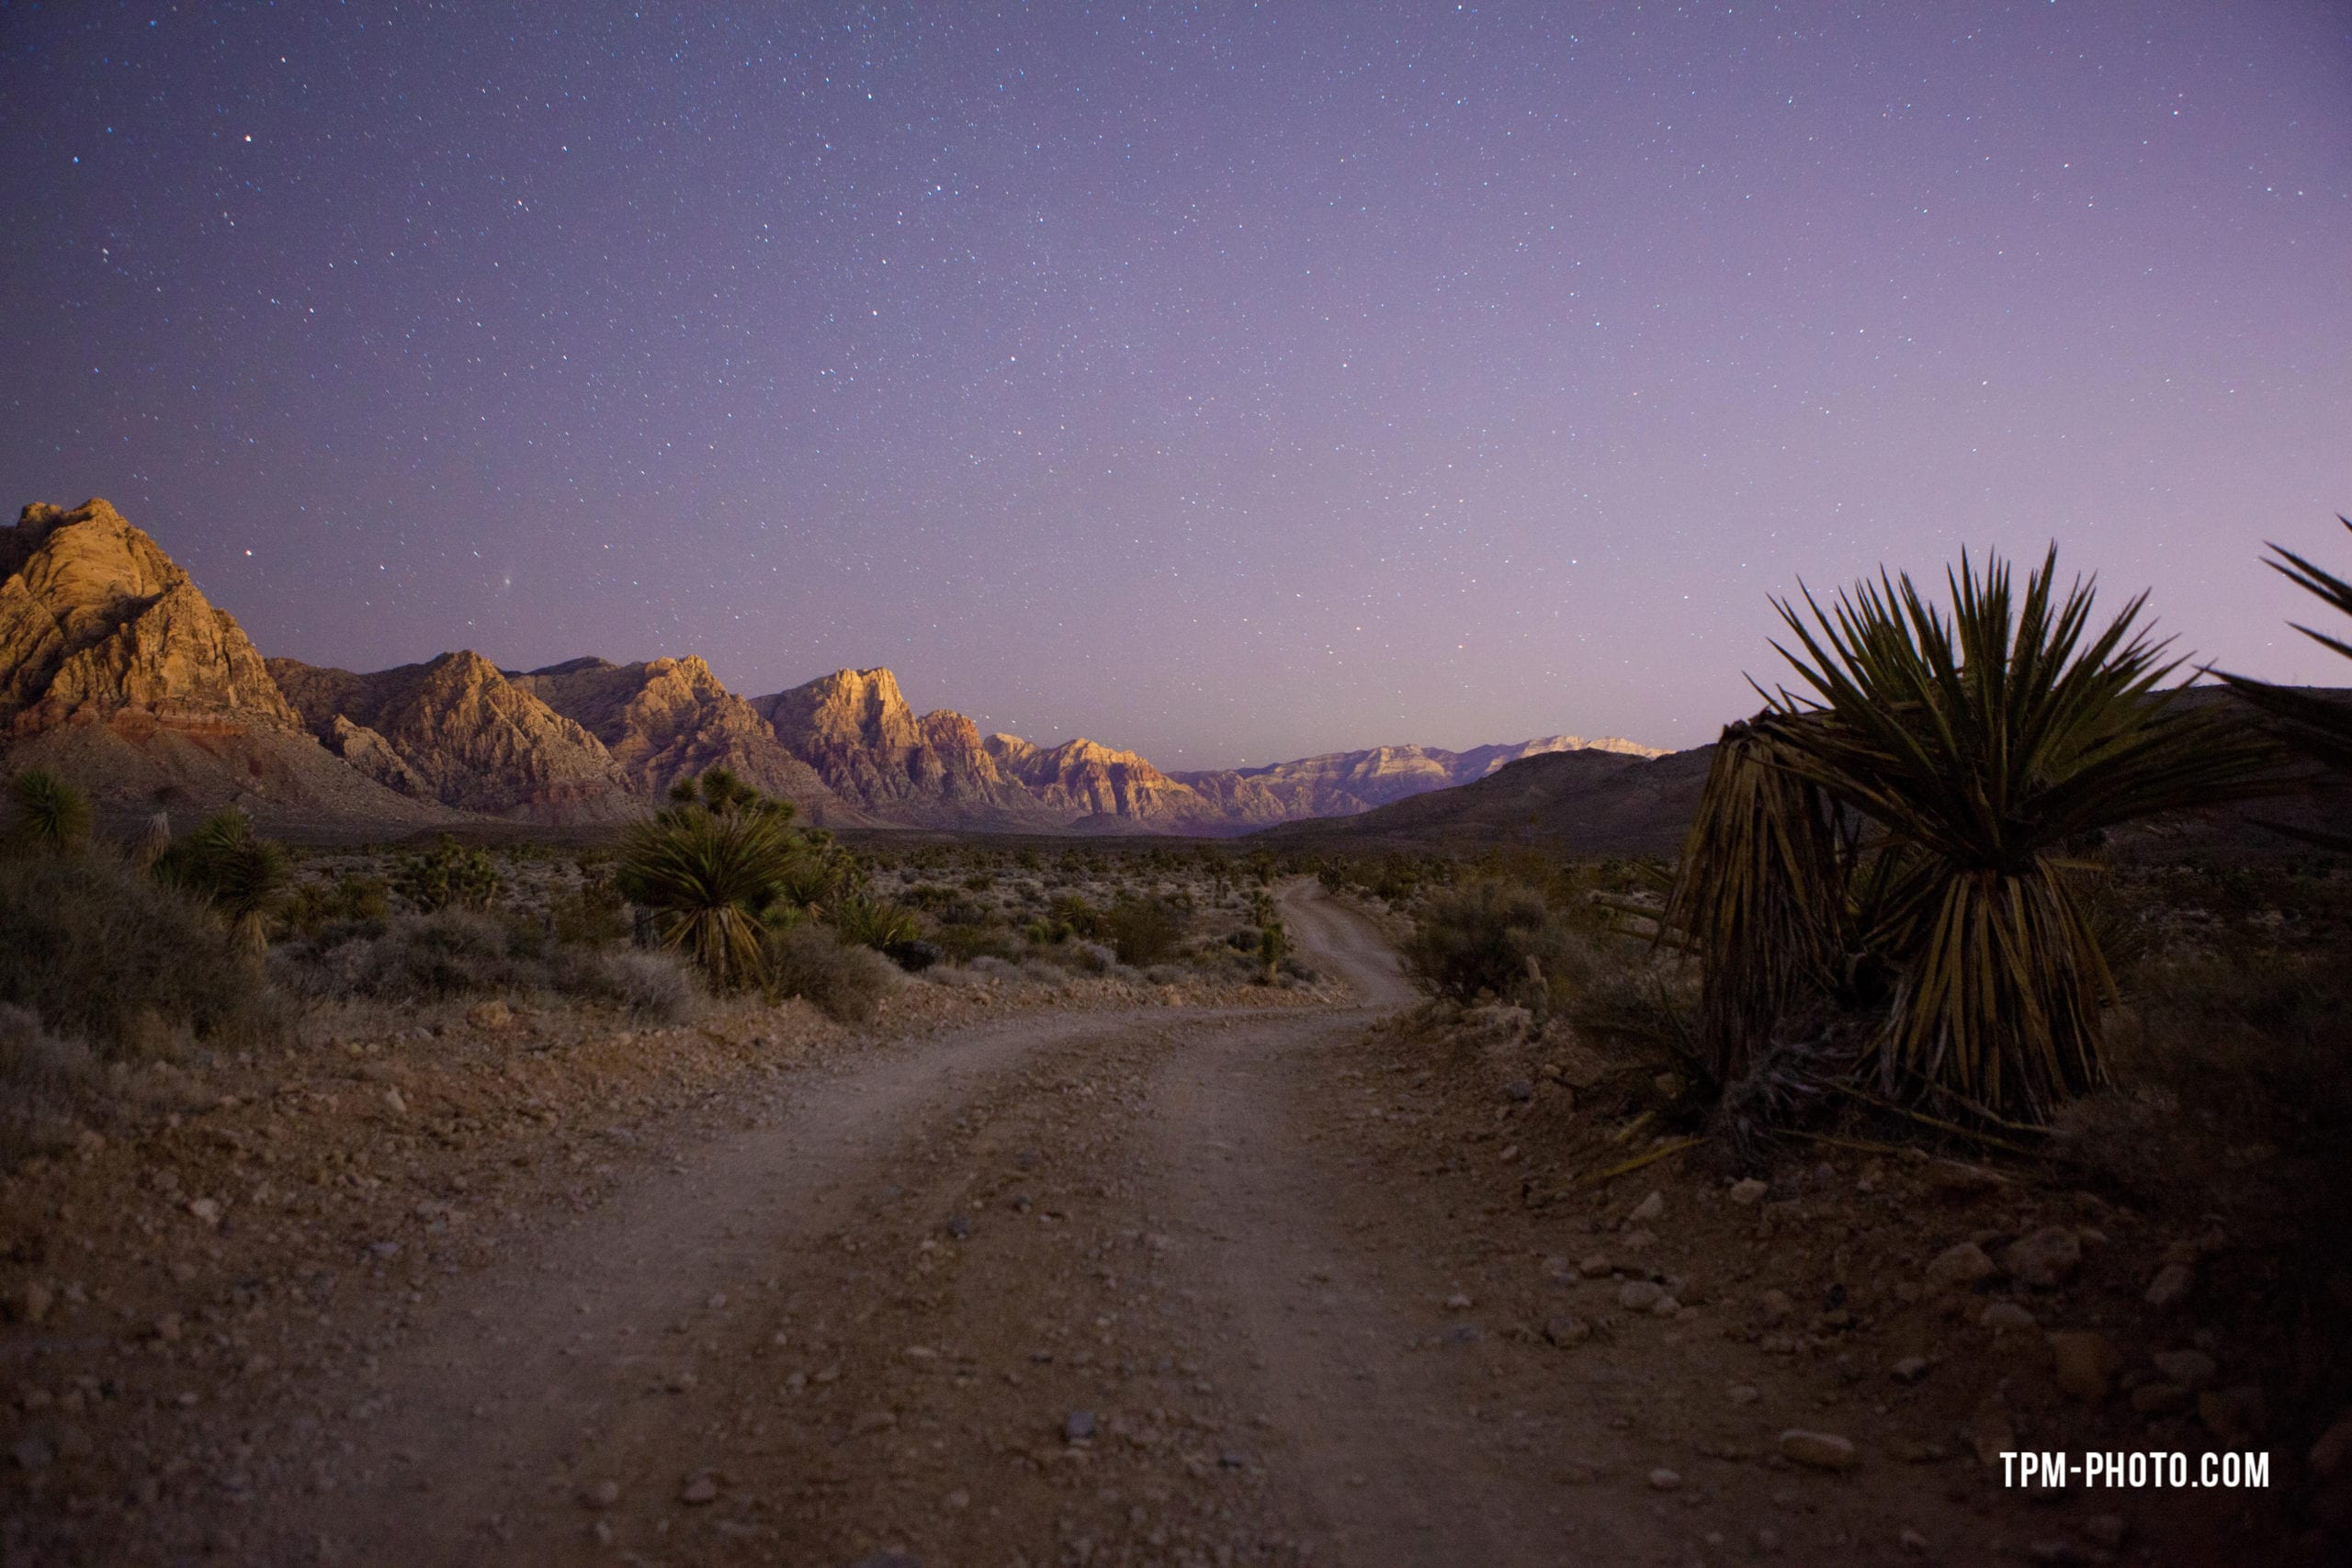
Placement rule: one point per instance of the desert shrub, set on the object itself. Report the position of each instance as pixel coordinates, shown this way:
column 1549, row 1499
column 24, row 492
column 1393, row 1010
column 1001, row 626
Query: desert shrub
column 446, row 876
column 351, row 899
column 1494, row 937
column 100, row 952
column 1083, row 918
column 1045, row 933
column 844, row 982
column 710, row 877
column 46, row 1084
column 964, row 943
column 46, row 813
column 1144, row 930
column 1092, row 956
column 592, row 912
column 241, row 877
column 456, row 953
column 873, row 922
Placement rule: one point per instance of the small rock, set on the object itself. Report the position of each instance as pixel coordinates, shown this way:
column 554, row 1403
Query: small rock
column 1458, row 1303
column 2172, row 1282
column 1596, row 1267
column 1775, row 1305
column 393, row 1099
column 1749, row 1191
column 1648, row 1209
column 702, row 1488
column 2233, row 1414
column 1961, row 1265
column 34, row 1302
column 1911, row 1368
column 2004, row 1317
column 2045, row 1259
column 1566, row 1331
column 1991, row 1433
column 1639, row 1295
column 958, row 1227
column 1743, row 1393
column 604, row 1495
column 1664, row 1479
column 2086, row 1363
column 498, row 1015
column 1519, row 1092
column 1665, row 1306
column 1912, row 1540
column 1077, row 1427
column 1818, row 1450
column 206, row 1209
column 2191, row 1368
column 32, row 1453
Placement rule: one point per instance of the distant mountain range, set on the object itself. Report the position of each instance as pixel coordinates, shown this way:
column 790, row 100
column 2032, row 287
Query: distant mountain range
column 117, row 672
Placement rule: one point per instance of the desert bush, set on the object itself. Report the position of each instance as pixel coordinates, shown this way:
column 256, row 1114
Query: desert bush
column 101, row 952
column 446, row 876
column 1144, row 930
column 241, row 877
column 455, row 953
column 1497, row 938
column 594, row 911
column 844, row 982
column 351, row 899
column 874, row 923
column 46, row 1086
column 46, row 813
column 710, row 877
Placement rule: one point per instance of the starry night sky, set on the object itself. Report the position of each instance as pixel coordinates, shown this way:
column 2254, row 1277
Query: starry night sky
column 1233, row 382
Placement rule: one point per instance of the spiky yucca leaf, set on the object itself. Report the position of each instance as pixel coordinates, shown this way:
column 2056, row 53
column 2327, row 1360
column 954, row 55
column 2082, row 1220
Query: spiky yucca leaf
column 1758, row 891
column 710, row 878
column 1981, row 741
column 2319, row 728
column 243, row 877
column 50, row 813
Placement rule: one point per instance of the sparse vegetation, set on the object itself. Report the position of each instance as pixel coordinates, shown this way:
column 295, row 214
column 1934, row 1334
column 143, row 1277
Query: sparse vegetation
column 844, row 981
column 46, row 813
column 447, row 876
column 1492, row 940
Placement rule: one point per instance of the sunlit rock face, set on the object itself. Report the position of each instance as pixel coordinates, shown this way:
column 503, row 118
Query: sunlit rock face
column 473, row 739
column 670, row 718
column 1342, row 783
column 853, row 727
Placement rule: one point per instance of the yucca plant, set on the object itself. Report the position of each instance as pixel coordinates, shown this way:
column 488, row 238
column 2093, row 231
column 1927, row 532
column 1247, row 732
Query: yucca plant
column 1764, row 894
column 50, row 814
column 709, row 877
column 1976, row 749
column 243, row 877
column 2319, row 727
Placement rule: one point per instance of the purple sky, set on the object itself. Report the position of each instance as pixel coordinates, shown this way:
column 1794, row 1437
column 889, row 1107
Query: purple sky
column 1231, row 382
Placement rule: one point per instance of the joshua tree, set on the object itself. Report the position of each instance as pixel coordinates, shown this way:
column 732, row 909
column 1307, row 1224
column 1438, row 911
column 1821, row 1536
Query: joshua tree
column 1915, row 810
column 709, row 877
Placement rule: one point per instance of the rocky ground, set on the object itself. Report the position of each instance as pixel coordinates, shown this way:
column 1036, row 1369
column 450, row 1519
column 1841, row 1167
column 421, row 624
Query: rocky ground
column 1148, row 1275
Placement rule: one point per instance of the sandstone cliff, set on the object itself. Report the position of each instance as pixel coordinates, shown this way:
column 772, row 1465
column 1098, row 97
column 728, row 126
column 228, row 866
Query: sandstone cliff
column 95, row 618
column 469, row 737
column 1080, row 779
column 854, row 727
column 671, row 718
column 117, row 673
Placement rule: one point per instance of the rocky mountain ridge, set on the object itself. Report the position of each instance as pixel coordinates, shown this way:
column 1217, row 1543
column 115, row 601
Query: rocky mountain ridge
column 116, row 670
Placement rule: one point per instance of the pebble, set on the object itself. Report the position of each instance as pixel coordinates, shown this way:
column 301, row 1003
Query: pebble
column 1911, row 1368
column 1596, row 1267
column 2045, row 1259
column 206, row 1210
column 1743, row 1393
column 2003, row 1317
column 1519, row 1092
column 959, row 1228
column 1963, row 1264
column 1664, row 1479
column 2172, row 1282
column 1458, row 1303
column 1819, row 1451
column 1565, row 1331
column 604, row 1495
column 1078, row 1426
column 1648, row 1209
column 1639, row 1295
column 1913, row 1540
column 34, row 1302
column 700, row 1490
column 2086, row 1363
column 1749, row 1191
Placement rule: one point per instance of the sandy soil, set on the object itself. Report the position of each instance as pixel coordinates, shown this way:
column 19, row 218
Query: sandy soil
column 1129, row 1284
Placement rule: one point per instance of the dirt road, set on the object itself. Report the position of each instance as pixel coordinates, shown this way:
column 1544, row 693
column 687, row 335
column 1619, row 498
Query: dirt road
column 1153, row 1286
